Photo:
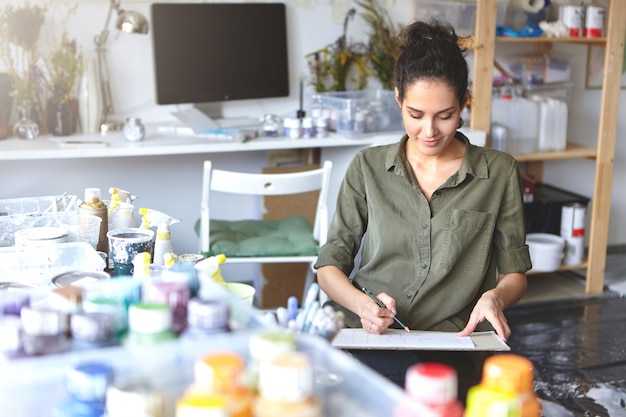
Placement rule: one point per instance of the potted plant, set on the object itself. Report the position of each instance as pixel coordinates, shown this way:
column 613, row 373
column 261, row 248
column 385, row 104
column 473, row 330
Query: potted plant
column 331, row 67
column 20, row 27
column 383, row 44
column 64, row 67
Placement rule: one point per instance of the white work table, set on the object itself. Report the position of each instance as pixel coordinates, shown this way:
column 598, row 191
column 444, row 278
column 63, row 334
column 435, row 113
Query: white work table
column 164, row 170
column 113, row 144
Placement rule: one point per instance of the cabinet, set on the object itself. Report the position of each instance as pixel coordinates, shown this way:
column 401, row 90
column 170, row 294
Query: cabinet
column 483, row 44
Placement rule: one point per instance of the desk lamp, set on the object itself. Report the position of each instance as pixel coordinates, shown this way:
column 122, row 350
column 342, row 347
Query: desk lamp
column 129, row 22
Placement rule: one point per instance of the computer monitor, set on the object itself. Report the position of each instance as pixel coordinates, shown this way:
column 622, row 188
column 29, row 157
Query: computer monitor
column 217, row 52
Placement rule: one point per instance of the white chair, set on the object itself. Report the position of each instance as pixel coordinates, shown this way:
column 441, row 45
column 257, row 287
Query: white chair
column 264, row 184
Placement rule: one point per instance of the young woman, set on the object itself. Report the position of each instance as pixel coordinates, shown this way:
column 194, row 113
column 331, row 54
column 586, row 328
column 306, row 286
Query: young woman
column 440, row 221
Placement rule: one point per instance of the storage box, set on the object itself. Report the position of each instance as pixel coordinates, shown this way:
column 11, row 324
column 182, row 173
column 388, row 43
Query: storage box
column 460, row 14
column 20, row 213
column 543, row 214
column 344, row 386
column 354, row 113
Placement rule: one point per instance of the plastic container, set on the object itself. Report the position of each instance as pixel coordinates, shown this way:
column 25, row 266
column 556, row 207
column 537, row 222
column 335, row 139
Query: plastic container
column 546, row 251
column 81, row 227
column 521, row 118
column 353, row 113
column 169, row 368
column 460, row 14
column 37, row 265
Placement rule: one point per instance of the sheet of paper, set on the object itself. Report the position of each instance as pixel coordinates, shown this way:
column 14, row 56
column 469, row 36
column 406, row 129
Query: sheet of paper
column 394, row 339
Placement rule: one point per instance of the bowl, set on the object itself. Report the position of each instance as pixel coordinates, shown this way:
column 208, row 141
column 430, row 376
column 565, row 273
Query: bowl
column 546, row 251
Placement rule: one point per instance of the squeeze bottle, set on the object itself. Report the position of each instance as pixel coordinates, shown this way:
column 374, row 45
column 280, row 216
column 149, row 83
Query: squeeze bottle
column 94, row 205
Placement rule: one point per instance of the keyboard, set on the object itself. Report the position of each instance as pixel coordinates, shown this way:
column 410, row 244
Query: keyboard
column 237, row 122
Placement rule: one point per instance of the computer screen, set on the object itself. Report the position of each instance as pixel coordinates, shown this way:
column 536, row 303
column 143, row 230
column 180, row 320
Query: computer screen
column 215, row 52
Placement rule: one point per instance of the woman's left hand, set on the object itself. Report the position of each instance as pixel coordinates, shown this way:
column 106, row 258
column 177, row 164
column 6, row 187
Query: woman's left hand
column 509, row 289
column 489, row 308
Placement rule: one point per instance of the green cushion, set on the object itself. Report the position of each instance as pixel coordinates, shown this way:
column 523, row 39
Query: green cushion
column 246, row 238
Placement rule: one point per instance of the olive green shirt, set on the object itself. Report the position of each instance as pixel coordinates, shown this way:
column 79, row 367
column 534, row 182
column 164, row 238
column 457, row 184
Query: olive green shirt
column 434, row 258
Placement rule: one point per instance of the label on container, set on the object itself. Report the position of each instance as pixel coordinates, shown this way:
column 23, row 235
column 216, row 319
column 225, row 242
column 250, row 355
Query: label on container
column 594, row 21
column 573, row 231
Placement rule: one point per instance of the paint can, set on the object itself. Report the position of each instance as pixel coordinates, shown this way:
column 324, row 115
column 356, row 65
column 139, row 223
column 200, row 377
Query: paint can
column 573, row 18
column 594, row 21
column 573, row 231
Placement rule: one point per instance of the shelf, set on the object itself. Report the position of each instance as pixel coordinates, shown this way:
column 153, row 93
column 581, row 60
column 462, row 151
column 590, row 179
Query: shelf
column 545, row 39
column 562, row 268
column 571, row 151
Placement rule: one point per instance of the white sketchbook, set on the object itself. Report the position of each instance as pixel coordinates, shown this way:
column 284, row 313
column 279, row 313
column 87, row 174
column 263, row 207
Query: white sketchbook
column 395, row 339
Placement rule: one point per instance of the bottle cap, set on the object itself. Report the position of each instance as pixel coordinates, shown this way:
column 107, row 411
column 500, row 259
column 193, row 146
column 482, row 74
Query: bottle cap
column 432, row 383
column 266, row 345
column 92, row 195
column 219, row 373
column 509, row 372
column 88, row 381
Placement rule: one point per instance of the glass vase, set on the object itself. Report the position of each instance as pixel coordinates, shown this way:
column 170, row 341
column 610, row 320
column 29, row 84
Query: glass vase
column 25, row 127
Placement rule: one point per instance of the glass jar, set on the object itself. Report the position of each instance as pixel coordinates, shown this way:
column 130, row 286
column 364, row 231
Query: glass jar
column 26, row 128
column 134, row 130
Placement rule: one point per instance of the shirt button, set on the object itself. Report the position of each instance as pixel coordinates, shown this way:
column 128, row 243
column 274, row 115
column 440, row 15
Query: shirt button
column 424, row 226
column 424, row 266
column 409, row 295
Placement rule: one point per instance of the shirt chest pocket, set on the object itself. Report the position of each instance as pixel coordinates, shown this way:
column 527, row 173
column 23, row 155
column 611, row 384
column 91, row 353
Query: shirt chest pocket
column 466, row 240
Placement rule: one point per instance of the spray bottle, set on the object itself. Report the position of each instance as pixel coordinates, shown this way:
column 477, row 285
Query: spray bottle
column 163, row 242
column 94, row 205
column 209, row 270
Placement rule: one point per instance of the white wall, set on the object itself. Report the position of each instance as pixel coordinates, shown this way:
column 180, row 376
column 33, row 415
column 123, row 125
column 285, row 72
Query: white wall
column 312, row 26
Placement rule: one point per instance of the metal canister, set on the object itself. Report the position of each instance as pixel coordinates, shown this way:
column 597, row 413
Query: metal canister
column 594, row 21
column 573, row 231
column 573, row 18
column 498, row 138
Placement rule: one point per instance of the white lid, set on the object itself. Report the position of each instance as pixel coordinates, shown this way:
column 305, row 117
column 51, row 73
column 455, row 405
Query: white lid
column 288, row 378
column 432, row 383
column 43, row 322
column 134, row 401
column 92, row 195
column 149, row 318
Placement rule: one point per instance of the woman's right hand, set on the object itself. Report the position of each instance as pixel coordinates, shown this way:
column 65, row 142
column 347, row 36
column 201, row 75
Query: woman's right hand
column 377, row 319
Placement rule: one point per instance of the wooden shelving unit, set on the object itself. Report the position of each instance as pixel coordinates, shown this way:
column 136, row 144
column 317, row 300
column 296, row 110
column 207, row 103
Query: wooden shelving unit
column 483, row 44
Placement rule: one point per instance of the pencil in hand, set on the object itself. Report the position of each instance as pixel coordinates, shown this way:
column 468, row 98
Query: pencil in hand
column 381, row 305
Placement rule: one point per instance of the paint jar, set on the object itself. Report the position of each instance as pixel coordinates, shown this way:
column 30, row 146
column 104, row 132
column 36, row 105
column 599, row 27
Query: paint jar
column 44, row 331
column 149, row 323
column 124, row 400
column 265, row 346
column 11, row 340
column 173, row 293
column 320, row 127
column 307, row 128
column 92, row 330
column 286, row 388
column 86, row 384
column 220, row 375
column 292, row 128
column 206, row 318
column 515, row 374
column 434, row 387
column 125, row 244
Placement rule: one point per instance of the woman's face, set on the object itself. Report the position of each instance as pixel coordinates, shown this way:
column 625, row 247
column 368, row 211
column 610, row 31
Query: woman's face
column 431, row 113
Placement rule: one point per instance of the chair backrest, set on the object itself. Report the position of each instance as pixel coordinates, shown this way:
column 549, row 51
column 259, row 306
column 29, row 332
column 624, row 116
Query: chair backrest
column 266, row 184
